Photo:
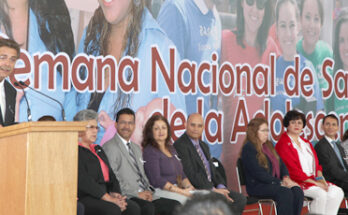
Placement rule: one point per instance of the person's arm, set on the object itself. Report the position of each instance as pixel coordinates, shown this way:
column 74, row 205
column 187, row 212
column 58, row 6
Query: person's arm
column 290, row 158
column 87, row 183
column 283, row 169
column 152, row 168
column 328, row 162
column 115, row 159
column 253, row 168
column 186, row 184
column 173, row 188
column 197, row 178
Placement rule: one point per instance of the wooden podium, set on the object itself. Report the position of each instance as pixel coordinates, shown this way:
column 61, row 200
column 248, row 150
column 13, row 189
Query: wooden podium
column 38, row 168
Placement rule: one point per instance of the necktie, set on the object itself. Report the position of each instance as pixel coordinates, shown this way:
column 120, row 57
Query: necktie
column 337, row 151
column 200, row 153
column 142, row 182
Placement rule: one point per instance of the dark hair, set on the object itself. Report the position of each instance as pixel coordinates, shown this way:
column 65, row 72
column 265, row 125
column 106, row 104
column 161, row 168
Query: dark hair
column 262, row 33
column 54, row 24
column 127, row 111
column 320, row 8
column 97, row 41
column 293, row 115
column 330, row 116
column 252, row 137
column 148, row 135
column 47, row 118
column 343, row 18
column 280, row 3
column 345, row 136
column 10, row 44
column 205, row 204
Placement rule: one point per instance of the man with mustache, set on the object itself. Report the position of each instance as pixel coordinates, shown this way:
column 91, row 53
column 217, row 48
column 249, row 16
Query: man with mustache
column 198, row 165
column 9, row 54
column 126, row 161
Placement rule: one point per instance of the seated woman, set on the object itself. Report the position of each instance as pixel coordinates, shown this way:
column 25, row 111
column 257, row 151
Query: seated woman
column 98, row 188
column 265, row 173
column 162, row 165
column 302, row 162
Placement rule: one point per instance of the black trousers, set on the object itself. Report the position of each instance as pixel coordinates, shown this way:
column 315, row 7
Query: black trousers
column 95, row 206
column 160, row 206
column 289, row 201
column 80, row 208
column 344, row 186
column 239, row 202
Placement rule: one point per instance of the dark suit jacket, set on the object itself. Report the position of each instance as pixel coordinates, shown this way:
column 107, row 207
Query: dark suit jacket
column 10, row 93
column 193, row 165
column 332, row 168
column 256, row 176
column 90, row 177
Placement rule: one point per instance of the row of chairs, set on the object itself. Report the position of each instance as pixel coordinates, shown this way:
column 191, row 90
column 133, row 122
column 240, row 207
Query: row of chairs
column 261, row 202
column 257, row 200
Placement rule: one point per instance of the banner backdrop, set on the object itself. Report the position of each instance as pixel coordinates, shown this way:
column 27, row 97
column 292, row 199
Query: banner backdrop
column 228, row 60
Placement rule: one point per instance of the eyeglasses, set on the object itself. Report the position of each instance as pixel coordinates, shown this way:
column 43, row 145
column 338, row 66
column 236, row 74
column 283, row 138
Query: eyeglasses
column 264, row 130
column 92, row 127
column 260, row 4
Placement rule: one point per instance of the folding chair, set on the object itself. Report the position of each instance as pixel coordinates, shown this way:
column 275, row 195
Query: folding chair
column 253, row 199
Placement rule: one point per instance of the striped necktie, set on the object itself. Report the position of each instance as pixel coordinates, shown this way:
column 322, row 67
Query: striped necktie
column 142, row 183
column 337, row 151
column 200, row 153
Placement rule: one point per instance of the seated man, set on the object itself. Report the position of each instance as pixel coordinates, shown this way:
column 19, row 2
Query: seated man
column 331, row 154
column 198, row 166
column 126, row 162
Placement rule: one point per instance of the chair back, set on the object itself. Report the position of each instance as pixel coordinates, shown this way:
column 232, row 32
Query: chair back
column 220, row 168
column 240, row 174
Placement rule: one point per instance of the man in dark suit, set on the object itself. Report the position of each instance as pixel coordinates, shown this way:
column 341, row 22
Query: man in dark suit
column 331, row 154
column 198, row 166
column 9, row 54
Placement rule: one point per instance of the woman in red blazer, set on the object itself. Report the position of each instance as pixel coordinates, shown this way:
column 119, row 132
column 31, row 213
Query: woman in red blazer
column 301, row 160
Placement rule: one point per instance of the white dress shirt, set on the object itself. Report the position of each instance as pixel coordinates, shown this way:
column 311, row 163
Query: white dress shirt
column 305, row 155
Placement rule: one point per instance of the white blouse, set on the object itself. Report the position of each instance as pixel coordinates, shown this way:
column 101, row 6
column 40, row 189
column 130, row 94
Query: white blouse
column 306, row 156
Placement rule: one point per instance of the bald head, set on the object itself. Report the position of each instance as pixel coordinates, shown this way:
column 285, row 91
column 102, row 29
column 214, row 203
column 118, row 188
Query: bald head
column 194, row 126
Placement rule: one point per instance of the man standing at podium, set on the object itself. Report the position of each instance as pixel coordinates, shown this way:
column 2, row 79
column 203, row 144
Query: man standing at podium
column 9, row 54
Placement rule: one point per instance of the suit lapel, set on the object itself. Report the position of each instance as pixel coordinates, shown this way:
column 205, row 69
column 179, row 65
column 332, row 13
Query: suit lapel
column 332, row 151
column 10, row 93
column 194, row 152
column 125, row 152
column 343, row 155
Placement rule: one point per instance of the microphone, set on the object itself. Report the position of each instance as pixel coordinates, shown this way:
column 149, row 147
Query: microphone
column 60, row 104
column 25, row 97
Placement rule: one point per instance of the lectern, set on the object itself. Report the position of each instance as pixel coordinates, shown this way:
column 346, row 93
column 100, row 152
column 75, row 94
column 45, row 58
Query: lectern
column 38, row 168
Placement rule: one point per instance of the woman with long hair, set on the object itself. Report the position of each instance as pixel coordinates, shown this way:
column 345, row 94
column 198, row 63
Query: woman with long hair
column 162, row 164
column 302, row 162
column 39, row 26
column 310, row 45
column 125, row 29
column 266, row 175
